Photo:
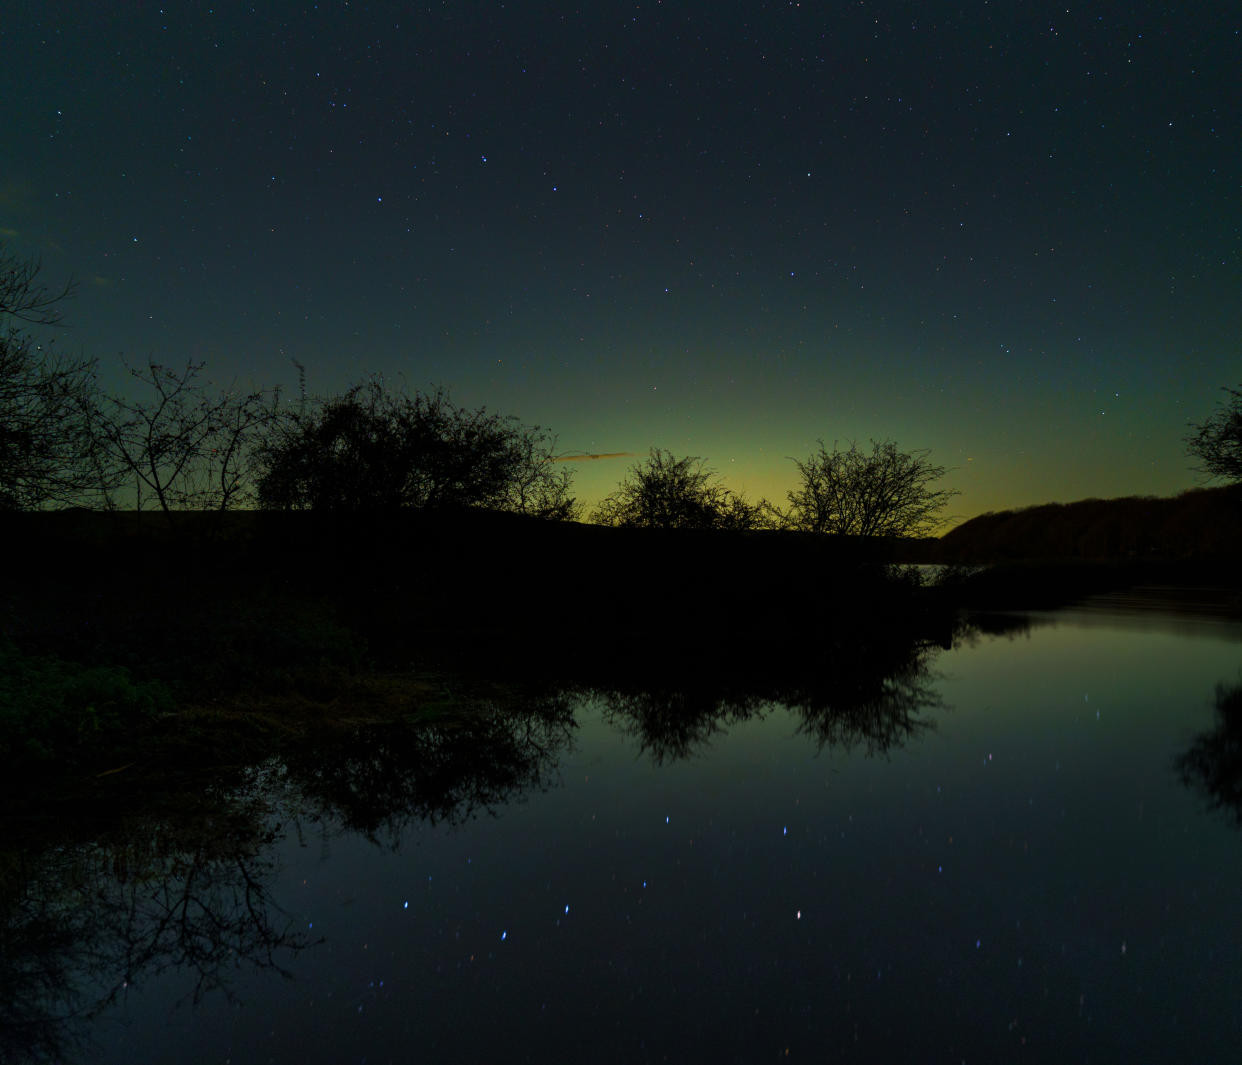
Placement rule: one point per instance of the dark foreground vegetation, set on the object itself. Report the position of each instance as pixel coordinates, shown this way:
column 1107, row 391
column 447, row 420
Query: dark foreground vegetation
column 216, row 638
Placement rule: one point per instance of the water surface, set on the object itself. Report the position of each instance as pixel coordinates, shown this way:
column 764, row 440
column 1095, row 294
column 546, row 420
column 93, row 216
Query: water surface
column 997, row 853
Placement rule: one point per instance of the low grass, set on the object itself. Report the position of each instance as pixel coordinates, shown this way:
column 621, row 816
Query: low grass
column 52, row 710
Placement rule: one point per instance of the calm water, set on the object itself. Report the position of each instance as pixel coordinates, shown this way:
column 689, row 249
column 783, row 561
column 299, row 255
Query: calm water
column 1008, row 866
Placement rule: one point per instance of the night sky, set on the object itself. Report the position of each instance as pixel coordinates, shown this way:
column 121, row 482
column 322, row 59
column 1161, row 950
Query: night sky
column 1008, row 232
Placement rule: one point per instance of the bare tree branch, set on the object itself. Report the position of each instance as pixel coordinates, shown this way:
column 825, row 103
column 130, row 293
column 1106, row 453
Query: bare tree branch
column 48, row 403
column 23, row 298
column 188, row 448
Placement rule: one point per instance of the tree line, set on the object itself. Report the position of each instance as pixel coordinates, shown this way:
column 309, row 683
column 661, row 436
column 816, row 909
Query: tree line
column 183, row 445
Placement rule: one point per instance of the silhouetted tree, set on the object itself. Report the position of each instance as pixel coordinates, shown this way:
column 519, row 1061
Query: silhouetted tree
column 184, row 446
column 885, row 493
column 1217, row 441
column 371, row 449
column 48, row 403
column 664, row 492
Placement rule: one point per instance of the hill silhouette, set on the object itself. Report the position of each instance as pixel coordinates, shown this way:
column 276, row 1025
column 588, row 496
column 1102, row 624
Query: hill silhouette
column 1199, row 525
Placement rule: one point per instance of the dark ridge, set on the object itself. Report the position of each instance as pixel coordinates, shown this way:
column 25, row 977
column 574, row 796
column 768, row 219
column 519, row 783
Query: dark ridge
column 1200, row 525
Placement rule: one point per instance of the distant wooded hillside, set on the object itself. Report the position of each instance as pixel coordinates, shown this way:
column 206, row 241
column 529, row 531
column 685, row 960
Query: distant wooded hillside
column 1203, row 524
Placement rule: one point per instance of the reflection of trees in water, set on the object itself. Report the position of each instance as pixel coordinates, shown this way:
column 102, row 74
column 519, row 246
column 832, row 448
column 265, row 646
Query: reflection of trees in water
column 1213, row 764
column 444, row 767
column 876, row 701
column 40, row 942
column 996, row 623
column 673, row 723
column 872, row 694
column 190, row 894
column 80, row 924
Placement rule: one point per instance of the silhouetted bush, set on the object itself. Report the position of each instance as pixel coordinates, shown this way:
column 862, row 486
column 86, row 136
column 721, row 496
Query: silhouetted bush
column 374, row 450
column 665, row 492
column 886, row 493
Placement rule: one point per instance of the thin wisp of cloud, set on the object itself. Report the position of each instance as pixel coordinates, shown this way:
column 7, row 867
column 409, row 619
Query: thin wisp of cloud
column 593, row 457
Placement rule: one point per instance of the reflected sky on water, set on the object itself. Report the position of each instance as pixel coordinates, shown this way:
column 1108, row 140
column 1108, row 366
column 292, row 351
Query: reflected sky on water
column 1027, row 877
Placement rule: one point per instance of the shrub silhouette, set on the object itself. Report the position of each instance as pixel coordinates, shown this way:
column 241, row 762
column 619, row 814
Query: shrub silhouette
column 376, row 450
column 665, row 492
column 885, row 493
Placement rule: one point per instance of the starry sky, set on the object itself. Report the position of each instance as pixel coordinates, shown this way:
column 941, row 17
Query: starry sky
column 1010, row 233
